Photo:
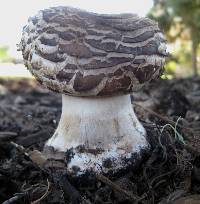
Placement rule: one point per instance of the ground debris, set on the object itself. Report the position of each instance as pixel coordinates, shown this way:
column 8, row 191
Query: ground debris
column 170, row 173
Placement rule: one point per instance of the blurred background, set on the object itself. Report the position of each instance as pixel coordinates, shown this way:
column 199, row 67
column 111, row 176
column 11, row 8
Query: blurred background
column 14, row 15
column 179, row 20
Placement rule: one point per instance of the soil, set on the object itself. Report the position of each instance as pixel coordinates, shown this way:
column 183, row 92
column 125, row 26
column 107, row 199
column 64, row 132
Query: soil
column 170, row 173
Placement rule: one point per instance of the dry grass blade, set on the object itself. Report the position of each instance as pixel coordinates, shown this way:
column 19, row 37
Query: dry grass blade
column 45, row 194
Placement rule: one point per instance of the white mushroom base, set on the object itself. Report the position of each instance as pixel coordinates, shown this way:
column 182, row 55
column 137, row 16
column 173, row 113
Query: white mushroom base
column 103, row 133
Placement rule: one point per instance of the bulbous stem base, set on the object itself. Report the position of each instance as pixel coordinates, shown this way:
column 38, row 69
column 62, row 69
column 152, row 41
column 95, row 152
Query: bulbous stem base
column 103, row 133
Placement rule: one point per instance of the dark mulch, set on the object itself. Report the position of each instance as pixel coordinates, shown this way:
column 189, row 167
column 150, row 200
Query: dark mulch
column 168, row 174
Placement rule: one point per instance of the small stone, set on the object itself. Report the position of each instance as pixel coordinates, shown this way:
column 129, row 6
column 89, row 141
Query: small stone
column 3, row 90
column 19, row 100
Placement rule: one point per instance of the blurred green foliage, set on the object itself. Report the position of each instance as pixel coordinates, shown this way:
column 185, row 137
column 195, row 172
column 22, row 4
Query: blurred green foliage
column 181, row 56
column 170, row 68
column 4, row 56
column 180, row 20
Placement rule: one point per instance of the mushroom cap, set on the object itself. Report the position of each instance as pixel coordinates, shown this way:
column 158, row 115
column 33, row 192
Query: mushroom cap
column 80, row 53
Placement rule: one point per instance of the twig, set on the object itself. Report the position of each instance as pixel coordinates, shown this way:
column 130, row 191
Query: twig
column 33, row 138
column 8, row 133
column 71, row 194
column 164, row 118
column 20, row 148
column 5, row 136
column 12, row 200
column 108, row 182
column 43, row 196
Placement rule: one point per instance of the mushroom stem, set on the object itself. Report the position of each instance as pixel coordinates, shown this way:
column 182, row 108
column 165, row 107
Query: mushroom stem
column 108, row 124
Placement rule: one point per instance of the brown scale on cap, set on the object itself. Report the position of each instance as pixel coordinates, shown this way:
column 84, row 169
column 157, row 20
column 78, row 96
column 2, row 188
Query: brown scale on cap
column 86, row 54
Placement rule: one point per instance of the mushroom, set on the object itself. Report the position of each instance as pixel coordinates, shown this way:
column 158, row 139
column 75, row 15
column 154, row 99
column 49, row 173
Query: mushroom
column 95, row 61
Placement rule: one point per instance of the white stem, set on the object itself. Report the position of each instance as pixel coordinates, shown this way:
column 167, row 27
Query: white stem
column 106, row 123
